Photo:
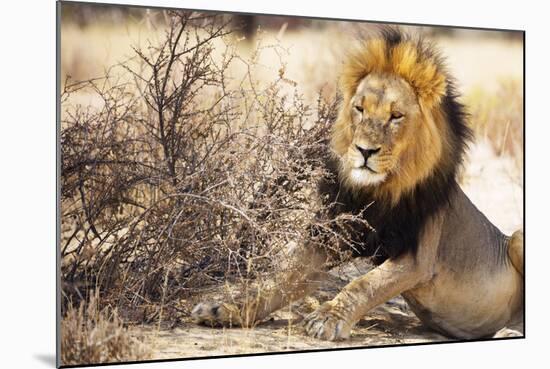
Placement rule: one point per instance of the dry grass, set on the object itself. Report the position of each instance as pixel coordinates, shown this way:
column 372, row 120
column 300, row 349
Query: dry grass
column 94, row 334
column 498, row 118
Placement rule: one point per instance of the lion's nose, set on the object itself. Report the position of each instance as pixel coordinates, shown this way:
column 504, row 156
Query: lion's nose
column 367, row 153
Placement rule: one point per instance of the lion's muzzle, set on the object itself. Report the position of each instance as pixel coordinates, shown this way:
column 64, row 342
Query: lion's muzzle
column 367, row 153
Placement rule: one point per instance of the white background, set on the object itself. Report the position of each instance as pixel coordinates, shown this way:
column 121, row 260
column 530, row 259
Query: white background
column 27, row 181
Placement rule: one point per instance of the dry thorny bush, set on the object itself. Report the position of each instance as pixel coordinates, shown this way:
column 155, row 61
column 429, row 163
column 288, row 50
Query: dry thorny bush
column 185, row 176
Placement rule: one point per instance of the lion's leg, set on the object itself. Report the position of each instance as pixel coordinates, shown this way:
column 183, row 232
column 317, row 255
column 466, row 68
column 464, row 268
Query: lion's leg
column 300, row 277
column 335, row 319
column 515, row 254
column 515, row 251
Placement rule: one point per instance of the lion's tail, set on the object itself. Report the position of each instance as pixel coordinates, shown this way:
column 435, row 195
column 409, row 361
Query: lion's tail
column 515, row 251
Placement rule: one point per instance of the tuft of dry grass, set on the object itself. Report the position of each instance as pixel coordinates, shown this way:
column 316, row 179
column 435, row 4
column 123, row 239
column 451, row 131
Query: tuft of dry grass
column 92, row 335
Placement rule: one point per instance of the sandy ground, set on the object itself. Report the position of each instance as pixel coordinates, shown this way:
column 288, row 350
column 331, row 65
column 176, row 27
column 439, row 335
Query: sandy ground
column 390, row 324
column 493, row 183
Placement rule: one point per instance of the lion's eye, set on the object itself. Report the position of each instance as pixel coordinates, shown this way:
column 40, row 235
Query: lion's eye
column 359, row 108
column 396, row 116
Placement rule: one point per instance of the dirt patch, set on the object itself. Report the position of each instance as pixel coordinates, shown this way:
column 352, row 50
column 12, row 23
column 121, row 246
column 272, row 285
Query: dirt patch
column 390, row 324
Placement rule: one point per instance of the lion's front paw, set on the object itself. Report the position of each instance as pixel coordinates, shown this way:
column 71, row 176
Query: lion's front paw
column 216, row 314
column 326, row 324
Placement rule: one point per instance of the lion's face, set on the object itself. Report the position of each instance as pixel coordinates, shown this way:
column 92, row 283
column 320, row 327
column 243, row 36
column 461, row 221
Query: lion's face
column 383, row 118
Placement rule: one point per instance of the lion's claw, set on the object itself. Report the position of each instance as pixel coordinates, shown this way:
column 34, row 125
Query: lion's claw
column 326, row 325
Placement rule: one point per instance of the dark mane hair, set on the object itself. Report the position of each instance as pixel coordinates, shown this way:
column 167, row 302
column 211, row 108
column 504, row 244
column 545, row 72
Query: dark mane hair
column 397, row 225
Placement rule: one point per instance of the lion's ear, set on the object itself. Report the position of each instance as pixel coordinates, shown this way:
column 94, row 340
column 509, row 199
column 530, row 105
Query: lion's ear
column 424, row 72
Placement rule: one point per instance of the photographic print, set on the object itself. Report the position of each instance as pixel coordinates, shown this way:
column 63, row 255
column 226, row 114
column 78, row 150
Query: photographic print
column 237, row 184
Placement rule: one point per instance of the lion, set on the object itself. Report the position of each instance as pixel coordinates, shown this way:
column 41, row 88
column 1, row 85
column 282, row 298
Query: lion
column 397, row 145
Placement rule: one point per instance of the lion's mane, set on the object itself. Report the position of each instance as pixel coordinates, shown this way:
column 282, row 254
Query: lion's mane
column 398, row 209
